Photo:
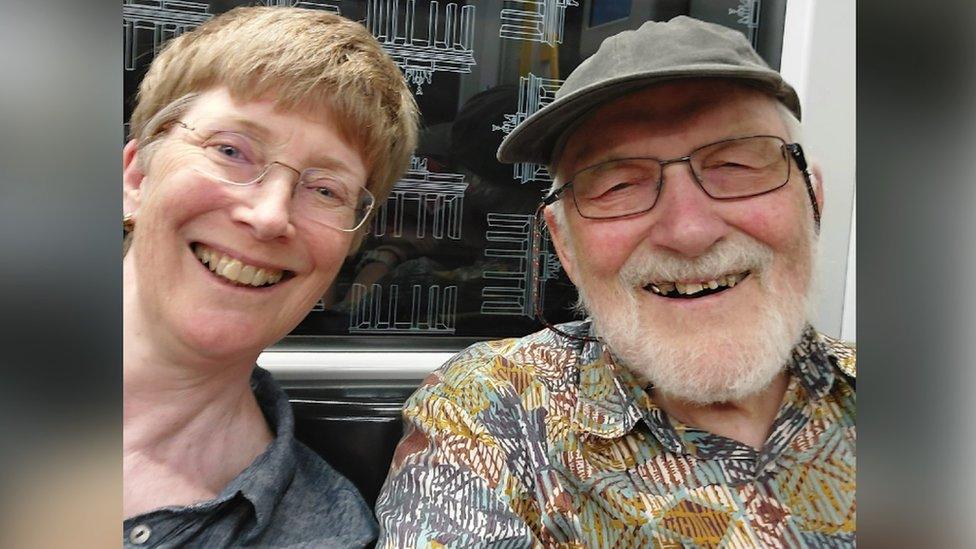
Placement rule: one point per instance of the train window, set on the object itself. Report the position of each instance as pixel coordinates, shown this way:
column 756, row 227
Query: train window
column 451, row 257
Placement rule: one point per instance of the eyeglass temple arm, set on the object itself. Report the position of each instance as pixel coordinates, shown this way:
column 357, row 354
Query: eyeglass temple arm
column 552, row 196
column 535, row 274
column 796, row 151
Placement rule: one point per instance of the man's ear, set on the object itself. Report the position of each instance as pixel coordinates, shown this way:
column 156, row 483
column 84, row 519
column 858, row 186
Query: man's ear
column 560, row 241
column 818, row 185
column 132, row 178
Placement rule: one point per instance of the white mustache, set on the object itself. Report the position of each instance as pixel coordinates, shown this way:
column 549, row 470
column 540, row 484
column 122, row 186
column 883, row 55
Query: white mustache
column 734, row 254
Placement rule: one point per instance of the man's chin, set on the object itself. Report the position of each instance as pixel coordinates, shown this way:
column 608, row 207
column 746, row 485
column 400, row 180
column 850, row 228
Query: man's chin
column 704, row 375
column 717, row 393
column 703, row 364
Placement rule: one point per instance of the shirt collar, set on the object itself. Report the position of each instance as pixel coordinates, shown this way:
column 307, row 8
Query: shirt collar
column 811, row 364
column 266, row 479
column 612, row 400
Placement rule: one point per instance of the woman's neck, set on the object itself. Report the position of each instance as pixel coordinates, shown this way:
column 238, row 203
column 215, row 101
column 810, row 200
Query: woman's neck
column 189, row 426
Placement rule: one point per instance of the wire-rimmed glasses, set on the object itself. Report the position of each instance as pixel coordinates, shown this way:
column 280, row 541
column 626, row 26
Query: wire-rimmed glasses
column 729, row 169
column 322, row 195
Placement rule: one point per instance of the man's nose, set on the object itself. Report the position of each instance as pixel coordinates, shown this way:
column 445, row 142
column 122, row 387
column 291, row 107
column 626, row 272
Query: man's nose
column 686, row 220
column 267, row 205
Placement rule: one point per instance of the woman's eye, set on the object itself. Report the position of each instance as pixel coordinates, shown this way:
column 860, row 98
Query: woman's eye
column 230, row 151
column 330, row 191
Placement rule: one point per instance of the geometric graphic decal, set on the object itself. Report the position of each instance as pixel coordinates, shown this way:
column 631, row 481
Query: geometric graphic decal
column 748, row 12
column 446, row 47
column 517, row 295
column 372, row 312
column 437, row 198
column 534, row 94
column 537, row 21
column 164, row 18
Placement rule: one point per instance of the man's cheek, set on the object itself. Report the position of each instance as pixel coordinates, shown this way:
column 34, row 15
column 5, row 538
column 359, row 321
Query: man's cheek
column 606, row 251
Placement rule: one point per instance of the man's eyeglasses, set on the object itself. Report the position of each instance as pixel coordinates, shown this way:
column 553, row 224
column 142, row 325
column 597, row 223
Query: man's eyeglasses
column 322, row 195
column 729, row 169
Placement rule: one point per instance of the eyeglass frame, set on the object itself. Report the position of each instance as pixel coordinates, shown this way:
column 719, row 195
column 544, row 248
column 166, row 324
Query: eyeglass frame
column 794, row 149
column 267, row 169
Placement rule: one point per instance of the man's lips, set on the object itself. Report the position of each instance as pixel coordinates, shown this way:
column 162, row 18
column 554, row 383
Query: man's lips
column 695, row 289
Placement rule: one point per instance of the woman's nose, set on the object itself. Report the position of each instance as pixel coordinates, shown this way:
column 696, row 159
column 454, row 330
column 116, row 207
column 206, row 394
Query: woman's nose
column 267, row 205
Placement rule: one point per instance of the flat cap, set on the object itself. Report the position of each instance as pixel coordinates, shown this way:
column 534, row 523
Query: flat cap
column 626, row 62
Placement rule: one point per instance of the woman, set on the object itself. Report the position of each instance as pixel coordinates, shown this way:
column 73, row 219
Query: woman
column 260, row 143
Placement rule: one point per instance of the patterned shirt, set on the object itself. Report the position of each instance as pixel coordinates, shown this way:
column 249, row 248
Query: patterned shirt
column 547, row 441
column 288, row 497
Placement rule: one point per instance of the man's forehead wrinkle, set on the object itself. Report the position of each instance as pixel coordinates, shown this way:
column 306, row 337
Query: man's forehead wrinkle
column 634, row 121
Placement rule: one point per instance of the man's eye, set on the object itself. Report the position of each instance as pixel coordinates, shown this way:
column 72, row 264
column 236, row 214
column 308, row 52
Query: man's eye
column 618, row 188
column 729, row 166
column 611, row 189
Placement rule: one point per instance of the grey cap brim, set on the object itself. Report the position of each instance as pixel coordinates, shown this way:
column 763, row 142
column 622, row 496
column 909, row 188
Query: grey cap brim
column 534, row 139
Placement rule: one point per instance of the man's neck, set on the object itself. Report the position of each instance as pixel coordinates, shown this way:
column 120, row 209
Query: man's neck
column 748, row 420
column 188, row 429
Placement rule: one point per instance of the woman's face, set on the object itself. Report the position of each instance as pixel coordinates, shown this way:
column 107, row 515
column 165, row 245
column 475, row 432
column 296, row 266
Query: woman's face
column 288, row 257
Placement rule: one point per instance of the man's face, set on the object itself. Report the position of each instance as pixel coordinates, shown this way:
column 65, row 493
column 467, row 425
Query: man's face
column 710, row 348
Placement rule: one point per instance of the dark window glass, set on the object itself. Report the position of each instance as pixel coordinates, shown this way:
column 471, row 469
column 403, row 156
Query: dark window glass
column 605, row 11
column 450, row 255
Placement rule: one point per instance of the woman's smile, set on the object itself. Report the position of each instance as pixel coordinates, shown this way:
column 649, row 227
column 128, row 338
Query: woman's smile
column 239, row 272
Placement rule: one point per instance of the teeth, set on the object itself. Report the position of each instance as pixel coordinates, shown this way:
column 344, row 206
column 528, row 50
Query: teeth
column 688, row 289
column 691, row 288
column 231, row 270
column 247, row 274
column 234, row 269
column 221, row 265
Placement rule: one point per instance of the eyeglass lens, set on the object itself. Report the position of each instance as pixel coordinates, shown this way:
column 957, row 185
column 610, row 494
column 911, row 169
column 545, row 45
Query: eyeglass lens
column 320, row 194
column 734, row 168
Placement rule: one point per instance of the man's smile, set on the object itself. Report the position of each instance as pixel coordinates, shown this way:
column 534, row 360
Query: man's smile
column 696, row 289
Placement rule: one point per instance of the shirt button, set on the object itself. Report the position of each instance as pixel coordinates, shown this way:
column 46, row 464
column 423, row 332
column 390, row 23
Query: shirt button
column 140, row 534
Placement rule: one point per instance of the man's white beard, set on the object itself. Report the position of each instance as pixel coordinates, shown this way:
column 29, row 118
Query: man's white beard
column 730, row 357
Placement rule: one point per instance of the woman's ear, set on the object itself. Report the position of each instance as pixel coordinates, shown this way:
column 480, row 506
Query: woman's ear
column 132, row 177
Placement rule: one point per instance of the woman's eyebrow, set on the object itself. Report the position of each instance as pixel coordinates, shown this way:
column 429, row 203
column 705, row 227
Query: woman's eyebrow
column 264, row 134
column 250, row 127
column 329, row 162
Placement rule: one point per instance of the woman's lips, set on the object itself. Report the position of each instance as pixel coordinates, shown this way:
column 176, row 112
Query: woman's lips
column 235, row 270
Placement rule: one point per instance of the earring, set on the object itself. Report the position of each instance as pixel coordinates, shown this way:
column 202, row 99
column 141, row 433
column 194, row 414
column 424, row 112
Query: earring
column 128, row 222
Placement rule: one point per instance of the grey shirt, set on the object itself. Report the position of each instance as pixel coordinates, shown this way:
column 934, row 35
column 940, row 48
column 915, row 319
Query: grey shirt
column 287, row 497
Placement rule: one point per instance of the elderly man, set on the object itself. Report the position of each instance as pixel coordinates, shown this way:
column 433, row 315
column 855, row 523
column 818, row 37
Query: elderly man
column 695, row 406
